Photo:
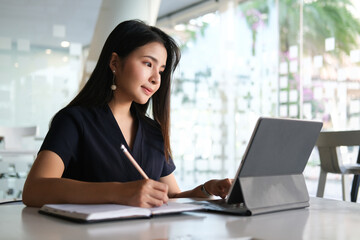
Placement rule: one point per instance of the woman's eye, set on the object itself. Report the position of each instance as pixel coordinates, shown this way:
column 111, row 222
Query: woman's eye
column 161, row 72
column 148, row 64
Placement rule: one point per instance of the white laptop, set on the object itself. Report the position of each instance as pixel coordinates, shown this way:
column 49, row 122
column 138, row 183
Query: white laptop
column 270, row 176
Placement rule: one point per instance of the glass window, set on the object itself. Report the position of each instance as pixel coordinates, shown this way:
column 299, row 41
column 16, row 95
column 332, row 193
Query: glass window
column 36, row 83
column 261, row 58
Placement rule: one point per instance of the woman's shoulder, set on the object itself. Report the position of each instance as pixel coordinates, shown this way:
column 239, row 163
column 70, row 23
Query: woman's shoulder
column 151, row 126
column 73, row 111
column 79, row 111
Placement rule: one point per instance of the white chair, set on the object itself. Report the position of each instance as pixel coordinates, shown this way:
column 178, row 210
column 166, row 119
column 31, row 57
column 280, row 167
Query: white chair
column 331, row 160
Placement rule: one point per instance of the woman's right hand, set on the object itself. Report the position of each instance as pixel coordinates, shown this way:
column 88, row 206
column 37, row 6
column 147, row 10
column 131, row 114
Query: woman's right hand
column 144, row 193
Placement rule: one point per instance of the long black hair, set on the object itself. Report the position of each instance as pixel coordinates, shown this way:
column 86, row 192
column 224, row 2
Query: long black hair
column 124, row 39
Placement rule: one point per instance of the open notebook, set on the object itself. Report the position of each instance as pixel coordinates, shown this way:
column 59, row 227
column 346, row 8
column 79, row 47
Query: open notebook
column 107, row 212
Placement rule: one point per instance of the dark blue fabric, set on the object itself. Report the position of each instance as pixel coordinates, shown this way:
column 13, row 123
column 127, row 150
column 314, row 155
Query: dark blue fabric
column 88, row 142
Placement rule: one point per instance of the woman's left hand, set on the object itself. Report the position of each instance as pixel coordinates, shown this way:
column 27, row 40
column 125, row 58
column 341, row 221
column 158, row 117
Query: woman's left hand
column 219, row 187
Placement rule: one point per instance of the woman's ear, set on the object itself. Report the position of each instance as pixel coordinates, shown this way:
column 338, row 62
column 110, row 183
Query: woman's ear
column 114, row 61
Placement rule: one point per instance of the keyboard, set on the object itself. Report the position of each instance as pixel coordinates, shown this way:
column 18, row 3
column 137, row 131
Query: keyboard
column 220, row 205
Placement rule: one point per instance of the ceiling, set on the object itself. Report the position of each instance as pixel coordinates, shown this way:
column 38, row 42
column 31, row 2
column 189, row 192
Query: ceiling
column 34, row 20
column 168, row 7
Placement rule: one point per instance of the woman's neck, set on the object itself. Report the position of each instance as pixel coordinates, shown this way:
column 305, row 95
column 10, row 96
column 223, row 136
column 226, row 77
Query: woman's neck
column 120, row 109
column 125, row 121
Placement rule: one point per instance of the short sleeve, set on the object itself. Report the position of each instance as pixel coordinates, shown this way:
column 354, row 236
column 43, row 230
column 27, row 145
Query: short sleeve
column 168, row 168
column 64, row 134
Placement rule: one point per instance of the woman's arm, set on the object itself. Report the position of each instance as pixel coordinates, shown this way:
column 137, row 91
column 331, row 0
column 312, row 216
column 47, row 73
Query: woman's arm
column 214, row 187
column 45, row 185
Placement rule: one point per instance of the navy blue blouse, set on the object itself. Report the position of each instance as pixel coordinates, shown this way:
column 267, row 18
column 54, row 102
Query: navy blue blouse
column 88, row 141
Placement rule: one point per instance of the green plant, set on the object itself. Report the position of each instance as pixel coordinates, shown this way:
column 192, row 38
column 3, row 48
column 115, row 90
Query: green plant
column 322, row 19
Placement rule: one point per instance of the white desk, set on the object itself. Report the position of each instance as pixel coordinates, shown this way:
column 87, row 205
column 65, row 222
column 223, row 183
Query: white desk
column 324, row 219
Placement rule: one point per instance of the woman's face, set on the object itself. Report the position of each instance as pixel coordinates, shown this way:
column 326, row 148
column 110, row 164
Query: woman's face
column 138, row 76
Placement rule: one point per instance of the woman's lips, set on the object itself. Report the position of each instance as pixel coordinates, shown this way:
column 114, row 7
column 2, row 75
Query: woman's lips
column 147, row 91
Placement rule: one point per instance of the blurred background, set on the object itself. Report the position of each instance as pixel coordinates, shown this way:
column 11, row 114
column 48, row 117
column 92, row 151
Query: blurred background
column 240, row 60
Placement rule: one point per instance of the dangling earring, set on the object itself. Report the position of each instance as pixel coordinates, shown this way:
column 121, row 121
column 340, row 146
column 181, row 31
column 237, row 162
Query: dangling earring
column 113, row 86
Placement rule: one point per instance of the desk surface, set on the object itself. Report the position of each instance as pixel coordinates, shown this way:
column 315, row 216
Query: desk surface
column 324, row 219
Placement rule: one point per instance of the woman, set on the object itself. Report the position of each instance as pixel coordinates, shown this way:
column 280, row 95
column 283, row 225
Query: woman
column 80, row 160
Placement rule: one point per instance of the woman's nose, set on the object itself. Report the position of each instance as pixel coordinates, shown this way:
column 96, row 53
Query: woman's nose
column 155, row 78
